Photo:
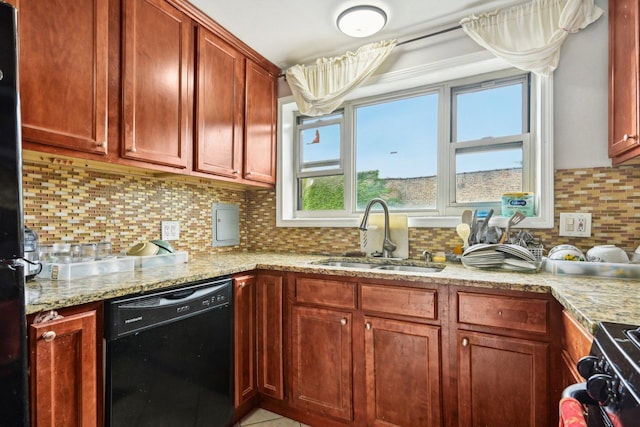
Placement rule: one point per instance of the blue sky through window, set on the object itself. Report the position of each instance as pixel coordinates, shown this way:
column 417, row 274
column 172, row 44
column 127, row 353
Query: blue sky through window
column 399, row 137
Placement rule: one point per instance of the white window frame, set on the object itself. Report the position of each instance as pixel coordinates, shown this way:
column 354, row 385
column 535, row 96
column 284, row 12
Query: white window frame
column 541, row 145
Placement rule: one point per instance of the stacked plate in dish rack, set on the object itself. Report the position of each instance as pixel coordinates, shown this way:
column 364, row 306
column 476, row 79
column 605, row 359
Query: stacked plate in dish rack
column 500, row 256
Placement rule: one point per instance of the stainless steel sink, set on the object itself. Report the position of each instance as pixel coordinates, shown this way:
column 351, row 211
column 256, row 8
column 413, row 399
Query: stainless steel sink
column 412, row 268
column 347, row 264
column 406, row 266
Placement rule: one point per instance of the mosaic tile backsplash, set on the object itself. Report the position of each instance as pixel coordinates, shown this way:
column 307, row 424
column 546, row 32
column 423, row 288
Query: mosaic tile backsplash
column 65, row 203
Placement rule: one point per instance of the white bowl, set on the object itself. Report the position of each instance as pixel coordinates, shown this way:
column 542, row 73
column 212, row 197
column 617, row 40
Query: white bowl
column 567, row 255
column 563, row 248
column 607, row 253
column 143, row 249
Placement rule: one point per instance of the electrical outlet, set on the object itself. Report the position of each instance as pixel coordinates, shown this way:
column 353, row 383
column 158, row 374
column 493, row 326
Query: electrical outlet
column 576, row 224
column 170, row 230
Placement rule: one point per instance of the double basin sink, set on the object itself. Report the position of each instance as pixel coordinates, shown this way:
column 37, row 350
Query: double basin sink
column 383, row 264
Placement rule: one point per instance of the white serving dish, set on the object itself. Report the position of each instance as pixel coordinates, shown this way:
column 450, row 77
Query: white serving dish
column 596, row 269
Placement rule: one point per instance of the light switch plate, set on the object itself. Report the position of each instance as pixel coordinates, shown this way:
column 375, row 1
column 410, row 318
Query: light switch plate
column 577, row 224
column 170, row 230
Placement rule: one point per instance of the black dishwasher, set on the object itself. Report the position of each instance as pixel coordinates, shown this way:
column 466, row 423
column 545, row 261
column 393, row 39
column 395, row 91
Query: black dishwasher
column 169, row 357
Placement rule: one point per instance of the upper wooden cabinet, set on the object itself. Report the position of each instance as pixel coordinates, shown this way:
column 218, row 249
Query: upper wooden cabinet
column 63, row 74
column 219, row 107
column 624, row 90
column 157, row 69
column 260, row 125
column 154, row 84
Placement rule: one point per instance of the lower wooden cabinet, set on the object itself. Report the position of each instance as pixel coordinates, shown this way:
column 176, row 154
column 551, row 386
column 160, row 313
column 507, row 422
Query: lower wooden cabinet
column 576, row 343
column 322, row 358
column 244, row 338
column 64, row 384
column 402, row 373
column 270, row 335
column 502, row 381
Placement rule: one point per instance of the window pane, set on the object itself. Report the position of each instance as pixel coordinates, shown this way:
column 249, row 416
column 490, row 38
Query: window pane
column 396, row 152
column 321, row 193
column 320, row 146
column 488, row 112
column 483, row 176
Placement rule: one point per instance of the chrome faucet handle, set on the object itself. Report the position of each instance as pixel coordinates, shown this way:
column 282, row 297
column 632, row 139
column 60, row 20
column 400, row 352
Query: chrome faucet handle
column 427, row 256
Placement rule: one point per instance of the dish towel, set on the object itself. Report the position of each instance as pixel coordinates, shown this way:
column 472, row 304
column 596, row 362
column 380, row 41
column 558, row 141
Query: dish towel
column 571, row 413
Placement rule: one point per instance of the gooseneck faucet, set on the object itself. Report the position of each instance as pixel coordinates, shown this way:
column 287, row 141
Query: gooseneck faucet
column 387, row 246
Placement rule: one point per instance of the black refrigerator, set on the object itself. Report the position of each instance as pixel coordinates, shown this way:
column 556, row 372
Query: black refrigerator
column 14, row 396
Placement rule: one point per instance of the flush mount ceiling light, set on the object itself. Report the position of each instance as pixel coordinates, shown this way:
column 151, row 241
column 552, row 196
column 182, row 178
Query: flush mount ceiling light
column 362, row 21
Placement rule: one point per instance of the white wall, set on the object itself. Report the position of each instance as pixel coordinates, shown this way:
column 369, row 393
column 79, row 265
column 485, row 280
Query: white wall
column 581, row 97
column 580, row 87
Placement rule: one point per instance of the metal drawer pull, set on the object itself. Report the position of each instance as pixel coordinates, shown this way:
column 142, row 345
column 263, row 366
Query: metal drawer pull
column 343, row 321
column 49, row 336
column 132, row 149
column 367, row 326
column 465, row 342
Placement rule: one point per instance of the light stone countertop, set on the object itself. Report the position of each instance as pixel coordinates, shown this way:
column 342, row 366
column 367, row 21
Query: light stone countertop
column 590, row 299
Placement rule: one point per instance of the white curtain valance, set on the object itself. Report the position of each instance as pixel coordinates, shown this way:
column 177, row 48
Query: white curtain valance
column 529, row 36
column 321, row 88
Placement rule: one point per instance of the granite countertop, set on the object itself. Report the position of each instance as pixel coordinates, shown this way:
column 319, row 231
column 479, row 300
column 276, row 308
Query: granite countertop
column 590, row 299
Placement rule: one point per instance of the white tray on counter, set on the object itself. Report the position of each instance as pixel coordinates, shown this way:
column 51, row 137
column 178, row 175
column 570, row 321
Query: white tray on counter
column 596, row 269
column 56, row 271
column 158, row 260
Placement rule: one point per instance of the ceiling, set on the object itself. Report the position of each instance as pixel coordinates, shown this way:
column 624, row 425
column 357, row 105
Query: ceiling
column 289, row 32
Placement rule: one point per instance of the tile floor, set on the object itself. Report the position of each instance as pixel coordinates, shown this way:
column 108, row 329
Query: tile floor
column 263, row 418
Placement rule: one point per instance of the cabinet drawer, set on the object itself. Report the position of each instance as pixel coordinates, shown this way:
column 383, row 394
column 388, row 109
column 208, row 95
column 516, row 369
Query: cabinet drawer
column 332, row 293
column 525, row 314
column 401, row 301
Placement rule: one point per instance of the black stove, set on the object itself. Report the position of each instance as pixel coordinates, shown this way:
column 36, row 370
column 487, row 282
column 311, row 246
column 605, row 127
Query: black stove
column 611, row 392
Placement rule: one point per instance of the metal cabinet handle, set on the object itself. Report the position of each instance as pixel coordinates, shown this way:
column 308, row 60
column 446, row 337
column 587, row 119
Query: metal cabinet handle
column 132, row 149
column 249, row 173
column 367, row 326
column 236, row 172
column 465, row 342
column 102, row 144
column 500, row 313
column 343, row 321
column 627, row 137
column 49, row 336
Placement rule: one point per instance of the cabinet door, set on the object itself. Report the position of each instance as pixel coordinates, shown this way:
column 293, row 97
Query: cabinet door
column 402, row 370
column 624, row 55
column 63, row 371
column 220, row 107
column 502, row 381
column 270, row 363
column 63, row 73
column 260, row 125
column 322, row 357
column 245, row 338
column 157, row 69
